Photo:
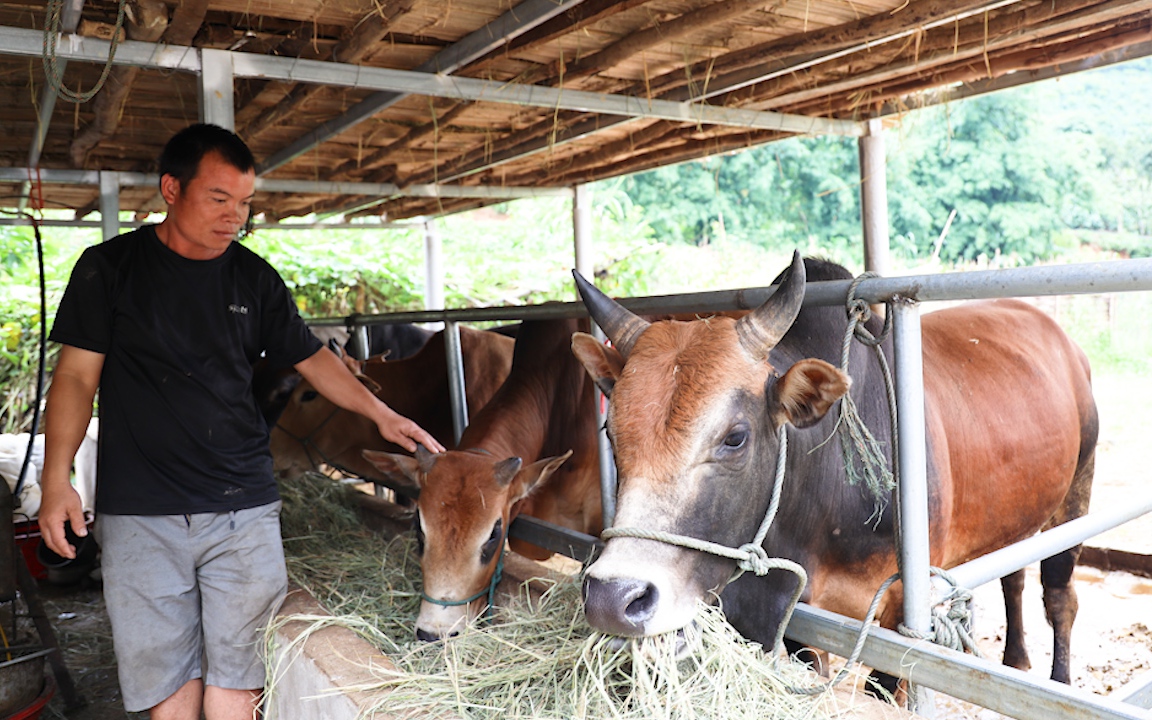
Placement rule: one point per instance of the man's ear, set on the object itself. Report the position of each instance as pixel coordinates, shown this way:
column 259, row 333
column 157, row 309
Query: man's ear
column 806, row 392
column 169, row 188
column 603, row 363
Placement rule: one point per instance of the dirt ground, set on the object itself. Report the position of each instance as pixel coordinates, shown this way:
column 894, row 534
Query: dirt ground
column 1112, row 638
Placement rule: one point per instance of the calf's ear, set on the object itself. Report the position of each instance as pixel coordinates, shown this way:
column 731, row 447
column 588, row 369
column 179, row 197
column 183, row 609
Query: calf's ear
column 401, row 472
column 533, row 476
column 806, row 392
column 603, row 363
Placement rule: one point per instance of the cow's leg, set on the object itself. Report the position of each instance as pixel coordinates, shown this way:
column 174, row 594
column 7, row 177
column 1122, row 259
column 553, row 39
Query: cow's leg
column 813, row 657
column 1015, row 651
column 886, row 687
column 1060, row 605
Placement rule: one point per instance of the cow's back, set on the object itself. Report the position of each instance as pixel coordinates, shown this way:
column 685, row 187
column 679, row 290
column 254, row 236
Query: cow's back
column 1011, row 418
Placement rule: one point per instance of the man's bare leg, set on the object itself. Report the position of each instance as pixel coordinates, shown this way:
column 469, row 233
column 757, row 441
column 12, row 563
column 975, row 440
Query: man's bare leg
column 226, row 704
column 184, row 704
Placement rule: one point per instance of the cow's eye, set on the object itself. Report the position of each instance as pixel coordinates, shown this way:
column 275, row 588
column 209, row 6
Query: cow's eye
column 309, row 396
column 419, row 533
column 736, row 439
column 493, row 543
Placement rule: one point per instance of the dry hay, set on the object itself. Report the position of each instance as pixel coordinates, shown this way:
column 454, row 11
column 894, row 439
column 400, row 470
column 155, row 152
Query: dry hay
column 536, row 658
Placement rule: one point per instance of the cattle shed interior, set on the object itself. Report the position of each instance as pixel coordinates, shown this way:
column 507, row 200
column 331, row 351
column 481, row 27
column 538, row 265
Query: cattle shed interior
column 413, row 108
column 386, row 111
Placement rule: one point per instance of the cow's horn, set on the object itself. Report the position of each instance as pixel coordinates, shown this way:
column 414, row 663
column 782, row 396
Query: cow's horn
column 621, row 326
column 760, row 330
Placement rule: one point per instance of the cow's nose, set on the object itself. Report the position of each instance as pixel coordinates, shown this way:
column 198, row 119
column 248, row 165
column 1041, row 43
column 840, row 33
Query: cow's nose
column 428, row 636
column 621, row 606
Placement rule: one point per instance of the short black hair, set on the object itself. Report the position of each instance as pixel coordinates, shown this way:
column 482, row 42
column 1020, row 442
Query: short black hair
column 181, row 156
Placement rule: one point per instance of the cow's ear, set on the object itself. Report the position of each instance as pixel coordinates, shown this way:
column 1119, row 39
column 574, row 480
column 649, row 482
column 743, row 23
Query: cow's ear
column 372, row 385
column 602, row 362
column 535, row 475
column 402, row 471
column 806, row 392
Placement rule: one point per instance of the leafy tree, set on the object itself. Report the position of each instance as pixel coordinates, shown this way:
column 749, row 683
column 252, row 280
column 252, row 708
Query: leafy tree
column 992, row 161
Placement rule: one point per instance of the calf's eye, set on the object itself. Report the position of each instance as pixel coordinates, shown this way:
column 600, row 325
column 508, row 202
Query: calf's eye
column 493, row 543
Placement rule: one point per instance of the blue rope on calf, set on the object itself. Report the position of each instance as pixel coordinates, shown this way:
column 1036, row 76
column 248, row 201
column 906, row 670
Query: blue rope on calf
column 490, row 591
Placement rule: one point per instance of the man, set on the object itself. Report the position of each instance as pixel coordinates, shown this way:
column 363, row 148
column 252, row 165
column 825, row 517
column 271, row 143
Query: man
column 166, row 321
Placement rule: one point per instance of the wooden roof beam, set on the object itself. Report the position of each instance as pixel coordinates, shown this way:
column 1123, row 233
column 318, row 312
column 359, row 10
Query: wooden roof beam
column 147, row 23
column 1011, row 69
column 637, row 42
column 511, row 24
column 363, row 38
column 762, row 62
column 944, row 47
column 381, row 156
column 583, row 15
column 828, row 40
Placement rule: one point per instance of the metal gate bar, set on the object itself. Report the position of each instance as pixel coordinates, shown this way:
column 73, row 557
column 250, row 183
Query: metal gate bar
column 1004, row 689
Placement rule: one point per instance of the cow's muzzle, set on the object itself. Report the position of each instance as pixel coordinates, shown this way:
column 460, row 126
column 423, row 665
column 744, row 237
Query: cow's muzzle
column 620, row 606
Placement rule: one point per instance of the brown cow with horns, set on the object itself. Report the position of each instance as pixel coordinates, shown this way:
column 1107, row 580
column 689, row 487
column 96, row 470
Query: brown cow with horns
column 694, row 413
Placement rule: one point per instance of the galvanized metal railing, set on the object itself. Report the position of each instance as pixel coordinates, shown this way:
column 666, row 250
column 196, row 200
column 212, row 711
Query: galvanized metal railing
column 988, row 684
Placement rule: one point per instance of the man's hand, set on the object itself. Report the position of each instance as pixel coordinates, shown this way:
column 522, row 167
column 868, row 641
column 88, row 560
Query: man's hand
column 335, row 381
column 396, row 428
column 57, row 507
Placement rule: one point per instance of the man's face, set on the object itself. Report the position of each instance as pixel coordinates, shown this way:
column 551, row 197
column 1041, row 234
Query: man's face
column 206, row 213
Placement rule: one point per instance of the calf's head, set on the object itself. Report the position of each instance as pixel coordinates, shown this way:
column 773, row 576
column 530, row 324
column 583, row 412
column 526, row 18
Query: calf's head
column 312, row 431
column 466, row 501
column 694, row 409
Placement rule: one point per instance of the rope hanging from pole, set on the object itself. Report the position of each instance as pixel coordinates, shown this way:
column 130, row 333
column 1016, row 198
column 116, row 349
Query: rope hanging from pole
column 52, row 22
column 856, row 440
column 38, row 202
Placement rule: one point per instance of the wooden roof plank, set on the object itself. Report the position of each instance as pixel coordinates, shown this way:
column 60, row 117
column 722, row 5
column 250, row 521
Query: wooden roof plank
column 511, row 24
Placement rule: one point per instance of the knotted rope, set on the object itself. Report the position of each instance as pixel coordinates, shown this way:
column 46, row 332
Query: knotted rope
column 951, row 622
column 749, row 557
column 856, row 440
column 52, row 21
column 490, row 591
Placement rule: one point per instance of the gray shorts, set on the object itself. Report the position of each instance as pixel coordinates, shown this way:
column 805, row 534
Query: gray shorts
column 187, row 596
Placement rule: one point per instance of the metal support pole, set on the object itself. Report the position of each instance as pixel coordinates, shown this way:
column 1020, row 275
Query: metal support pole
column 217, row 89
column 874, row 198
column 361, row 345
column 912, row 490
column 433, row 268
column 109, row 204
column 582, row 230
column 456, row 391
column 582, row 239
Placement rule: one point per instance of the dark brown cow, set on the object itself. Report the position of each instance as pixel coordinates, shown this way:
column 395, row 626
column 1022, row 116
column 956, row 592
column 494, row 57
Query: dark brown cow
column 311, row 430
column 694, row 413
column 531, row 450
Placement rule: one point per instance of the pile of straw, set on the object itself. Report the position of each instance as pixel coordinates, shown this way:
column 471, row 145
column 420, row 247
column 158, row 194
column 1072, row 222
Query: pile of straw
column 537, row 658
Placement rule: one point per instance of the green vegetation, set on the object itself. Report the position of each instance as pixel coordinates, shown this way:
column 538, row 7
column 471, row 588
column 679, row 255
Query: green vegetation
column 1056, row 172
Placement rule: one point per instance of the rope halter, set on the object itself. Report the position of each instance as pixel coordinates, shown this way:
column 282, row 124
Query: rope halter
column 749, row 557
column 490, row 591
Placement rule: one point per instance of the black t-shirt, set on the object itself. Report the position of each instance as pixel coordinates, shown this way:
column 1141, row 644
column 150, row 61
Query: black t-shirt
column 180, row 431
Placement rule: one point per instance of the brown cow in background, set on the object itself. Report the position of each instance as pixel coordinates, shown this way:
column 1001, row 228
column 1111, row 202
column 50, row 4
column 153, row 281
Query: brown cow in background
column 312, row 431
